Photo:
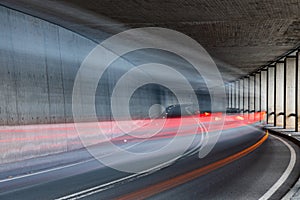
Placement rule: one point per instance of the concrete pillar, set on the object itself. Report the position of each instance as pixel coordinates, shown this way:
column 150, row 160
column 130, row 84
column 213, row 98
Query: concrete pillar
column 241, row 95
column 237, row 94
column 233, row 95
column 263, row 91
column 257, row 94
column 279, row 94
column 229, row 95
column 290, row 92
column 298, row 92
column 252, row 97
column 246, row 94
column 270, row 95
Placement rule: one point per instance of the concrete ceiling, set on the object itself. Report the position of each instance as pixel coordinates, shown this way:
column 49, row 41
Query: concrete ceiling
column 241, row 35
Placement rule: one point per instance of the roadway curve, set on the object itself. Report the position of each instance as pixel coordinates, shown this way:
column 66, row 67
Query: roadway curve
column 261, row 173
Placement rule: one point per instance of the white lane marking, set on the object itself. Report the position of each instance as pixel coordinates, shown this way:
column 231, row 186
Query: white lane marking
column 286, row 173
column 96, row 189
column 65, row 166
column 105, row 186
column 45, row 171
column 56, row 168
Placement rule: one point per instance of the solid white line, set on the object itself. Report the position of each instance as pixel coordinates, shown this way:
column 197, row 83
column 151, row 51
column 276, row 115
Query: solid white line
column 45, row 171
column 286, row 173
column 105, row 186
column 93, row 190
column 99, row 188
column 53, row 169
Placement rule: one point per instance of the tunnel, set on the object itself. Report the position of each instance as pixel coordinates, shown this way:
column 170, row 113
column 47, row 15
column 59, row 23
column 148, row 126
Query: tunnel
column 149, row 99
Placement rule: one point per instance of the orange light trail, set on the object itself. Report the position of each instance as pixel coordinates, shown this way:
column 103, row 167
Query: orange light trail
column 181, row 179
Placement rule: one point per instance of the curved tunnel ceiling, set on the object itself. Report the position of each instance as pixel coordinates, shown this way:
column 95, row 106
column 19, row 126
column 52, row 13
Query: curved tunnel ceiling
column 241, row 35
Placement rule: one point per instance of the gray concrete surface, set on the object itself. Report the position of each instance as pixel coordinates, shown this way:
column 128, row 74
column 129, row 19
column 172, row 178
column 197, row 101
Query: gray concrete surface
column 38, row 65
column 270, row 94
column 39, row 62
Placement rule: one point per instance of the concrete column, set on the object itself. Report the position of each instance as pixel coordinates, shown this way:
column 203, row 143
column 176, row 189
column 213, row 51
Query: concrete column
column 237, row 94
column 279, row 94
column 229, row 95
column 241, row 95
column 270, row 95
column 233, row 95
column 246, row 97
column 290, row 92
column 263, row 91
column 252, row 96
column 298, row 92
column 257, row 93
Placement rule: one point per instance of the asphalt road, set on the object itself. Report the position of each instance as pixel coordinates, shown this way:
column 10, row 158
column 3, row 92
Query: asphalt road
column 249, row 177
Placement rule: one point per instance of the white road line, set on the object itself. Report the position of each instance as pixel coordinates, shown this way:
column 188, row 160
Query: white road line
column 55, row 169
column 59, row 168
column 286, row 173
column 100, row 188
column 105, row 186
column 45, row 171
column 96, row 189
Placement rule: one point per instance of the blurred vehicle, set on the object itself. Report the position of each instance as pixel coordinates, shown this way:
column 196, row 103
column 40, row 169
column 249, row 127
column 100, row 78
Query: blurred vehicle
column 179, row 110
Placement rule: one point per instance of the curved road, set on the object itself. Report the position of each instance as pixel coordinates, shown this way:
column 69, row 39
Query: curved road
column 268, row 171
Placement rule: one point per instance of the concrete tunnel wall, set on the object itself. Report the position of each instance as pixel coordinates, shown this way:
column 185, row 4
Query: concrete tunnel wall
column 38, row 65
column 39, row 62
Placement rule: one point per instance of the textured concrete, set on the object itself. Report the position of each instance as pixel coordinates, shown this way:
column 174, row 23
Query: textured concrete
column 257, row 92
column 298, row 99
column 279, row 87
column 234, row 94
column 271, row 97
column 263, row 95
column 227, row 95
column 237, row 94
column 39, row 62
column 241, row 33
column 230, row 95
column 290, row 93
column 241, row 94
column 246, row 95
column 252, row 93
column 38, row 65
